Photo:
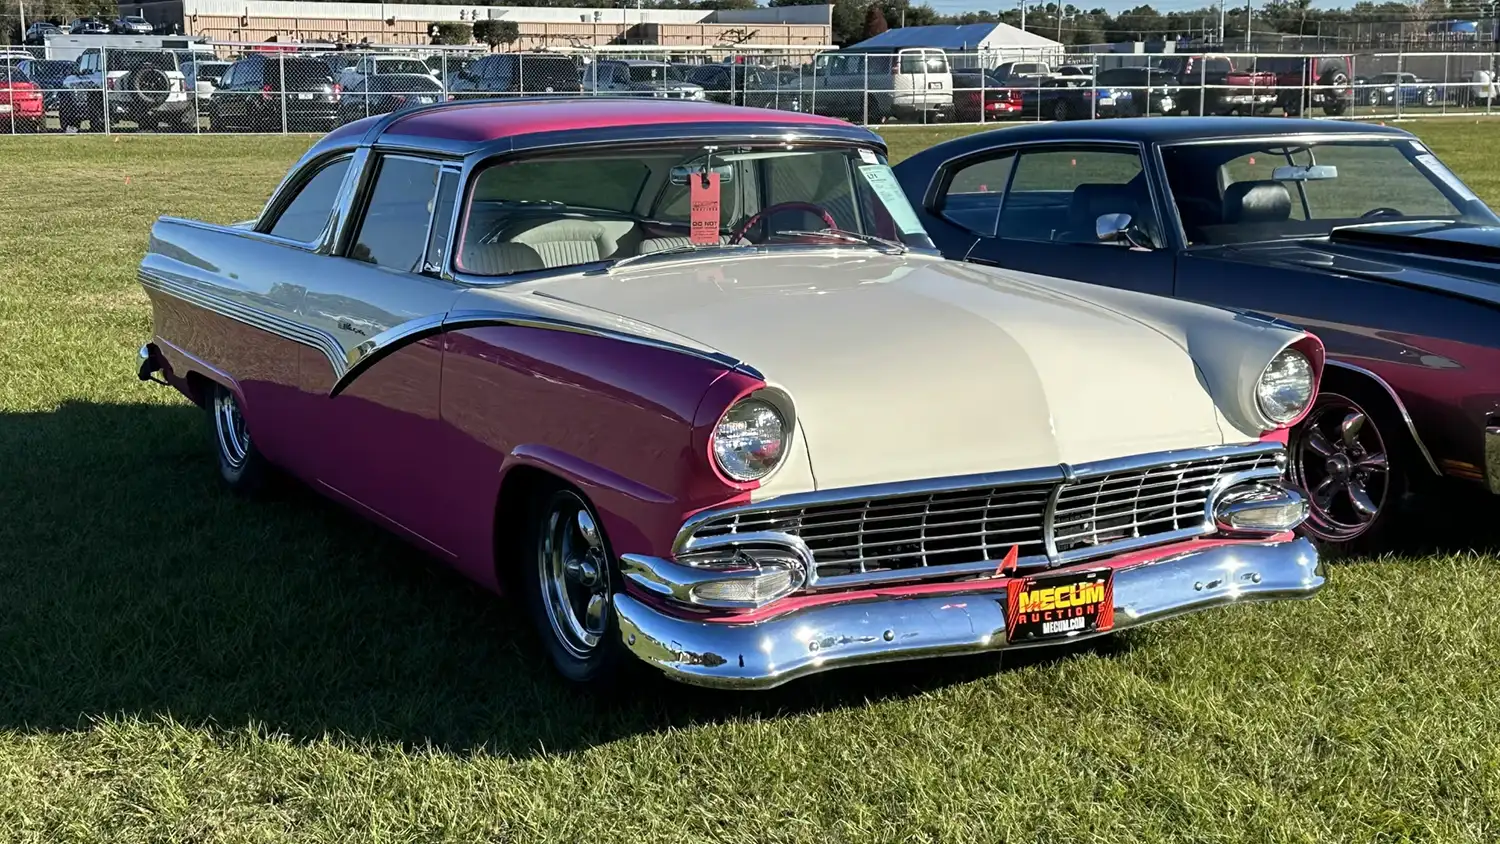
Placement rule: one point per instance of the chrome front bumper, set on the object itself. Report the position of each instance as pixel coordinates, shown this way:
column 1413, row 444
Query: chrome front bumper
column 769, row 653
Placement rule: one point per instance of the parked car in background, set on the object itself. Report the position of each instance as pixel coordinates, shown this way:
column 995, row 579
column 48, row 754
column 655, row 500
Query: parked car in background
column 1410, row 89
column 89, row 26
column 375, row 65
column 1354, row 231
column 1013, row 73
column 528, row 338
column 22, row 110
column 1139, row 91
column 388, row 92
column 638, row 78
column 517, row 74
column 50, row 76
column 36, row 34
column 446, row 66
column 131, row 25
column 978, row 98
column 270, row 93
column 204, row 76
column 1311, row 82
column 1212, row 85
column 145, row 87
column 747, row 85
column 874, row 86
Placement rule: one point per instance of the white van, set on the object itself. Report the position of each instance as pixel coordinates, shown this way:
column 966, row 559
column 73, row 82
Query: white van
column 873, row 85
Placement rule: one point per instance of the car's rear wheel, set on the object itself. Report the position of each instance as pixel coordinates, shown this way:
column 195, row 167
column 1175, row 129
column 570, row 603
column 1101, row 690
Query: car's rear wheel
column 1374, row 98
column 570, row 579
column 1429, row 98
column 1350, row 456
column 240, row 463
column 1061, row 111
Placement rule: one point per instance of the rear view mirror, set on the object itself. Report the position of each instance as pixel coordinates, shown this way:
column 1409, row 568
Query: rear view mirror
column 680, row 174
column 1316, row 172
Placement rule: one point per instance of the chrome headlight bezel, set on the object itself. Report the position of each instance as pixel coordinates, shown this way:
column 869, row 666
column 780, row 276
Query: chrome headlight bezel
column 740, row 463
column 1289, row 370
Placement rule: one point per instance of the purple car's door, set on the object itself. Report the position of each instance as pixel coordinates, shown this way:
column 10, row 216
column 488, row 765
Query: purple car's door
column 377, row 428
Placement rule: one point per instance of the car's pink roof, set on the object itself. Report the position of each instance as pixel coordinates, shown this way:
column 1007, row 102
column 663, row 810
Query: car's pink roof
column 488, row 121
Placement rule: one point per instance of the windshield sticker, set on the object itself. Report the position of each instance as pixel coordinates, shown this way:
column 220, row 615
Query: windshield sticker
column 868, row 157
column 881, row 180
column 703, row 196
column 1436, row 168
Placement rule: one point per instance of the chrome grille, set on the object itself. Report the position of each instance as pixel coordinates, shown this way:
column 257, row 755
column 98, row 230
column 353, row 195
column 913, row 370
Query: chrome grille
column 952, row 532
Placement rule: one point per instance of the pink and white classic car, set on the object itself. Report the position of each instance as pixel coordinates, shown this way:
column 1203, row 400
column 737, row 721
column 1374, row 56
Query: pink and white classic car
column 692, row 382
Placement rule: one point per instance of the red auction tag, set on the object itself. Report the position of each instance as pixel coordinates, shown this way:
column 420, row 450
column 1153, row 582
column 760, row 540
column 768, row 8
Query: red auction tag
column 704, row 222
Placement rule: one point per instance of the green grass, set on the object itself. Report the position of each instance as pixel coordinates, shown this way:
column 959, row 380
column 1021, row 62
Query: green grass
column 179, row 665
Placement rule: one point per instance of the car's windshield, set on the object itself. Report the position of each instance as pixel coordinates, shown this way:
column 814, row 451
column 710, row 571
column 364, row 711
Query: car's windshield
column 566, row 210
column 654, row 73
column 1261, row 191
column 400, row 66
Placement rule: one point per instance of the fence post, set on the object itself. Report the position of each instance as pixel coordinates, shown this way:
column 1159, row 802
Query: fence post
column 281, row 63
column 1400, row 67
column 104, row 88
column 1202, row 85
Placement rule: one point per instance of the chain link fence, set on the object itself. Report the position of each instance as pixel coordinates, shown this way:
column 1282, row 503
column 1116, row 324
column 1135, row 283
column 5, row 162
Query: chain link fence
column 263, row 88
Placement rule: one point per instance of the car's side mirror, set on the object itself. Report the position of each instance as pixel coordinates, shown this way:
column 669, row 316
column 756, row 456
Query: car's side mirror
column 1112, row 228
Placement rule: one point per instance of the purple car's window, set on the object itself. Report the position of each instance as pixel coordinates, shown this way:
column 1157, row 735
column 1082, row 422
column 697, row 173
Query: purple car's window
column 394, row 230
column 306, row 217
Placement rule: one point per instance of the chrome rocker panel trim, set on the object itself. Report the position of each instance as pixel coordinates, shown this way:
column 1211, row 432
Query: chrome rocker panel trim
column 769, row 653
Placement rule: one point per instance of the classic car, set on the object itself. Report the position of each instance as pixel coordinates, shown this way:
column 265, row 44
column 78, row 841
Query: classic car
column 691, row 380
column 1356, row 232
column 1407, row 88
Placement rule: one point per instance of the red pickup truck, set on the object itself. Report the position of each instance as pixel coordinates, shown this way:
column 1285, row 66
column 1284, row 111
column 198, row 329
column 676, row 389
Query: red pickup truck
column 1211, row 84
column 1308, row 82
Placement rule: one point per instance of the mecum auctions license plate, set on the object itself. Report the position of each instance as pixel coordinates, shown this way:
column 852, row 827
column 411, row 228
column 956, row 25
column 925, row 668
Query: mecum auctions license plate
column 1059, row 606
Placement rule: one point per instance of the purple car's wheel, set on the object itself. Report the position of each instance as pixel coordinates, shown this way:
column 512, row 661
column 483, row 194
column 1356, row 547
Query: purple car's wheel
column 1346, row 460
column 240, row 463
column 571, row 582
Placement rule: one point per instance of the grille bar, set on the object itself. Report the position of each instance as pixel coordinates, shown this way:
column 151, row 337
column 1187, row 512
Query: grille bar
column 895, row 533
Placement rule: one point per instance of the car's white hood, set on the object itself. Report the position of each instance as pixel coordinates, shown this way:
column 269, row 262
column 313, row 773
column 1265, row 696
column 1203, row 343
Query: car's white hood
column 908, row 368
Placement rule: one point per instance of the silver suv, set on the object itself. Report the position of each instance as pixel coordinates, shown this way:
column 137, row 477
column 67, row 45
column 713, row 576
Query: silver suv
column 145, row 87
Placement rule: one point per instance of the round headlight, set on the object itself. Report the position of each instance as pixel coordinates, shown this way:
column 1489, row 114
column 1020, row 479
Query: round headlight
column 750, row 440
column 1286, row 387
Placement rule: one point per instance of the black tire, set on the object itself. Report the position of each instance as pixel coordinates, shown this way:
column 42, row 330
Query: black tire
column 148, row 86
column 568, row 580
column 1061, row 110
column 241, row 464
column 1331, row 472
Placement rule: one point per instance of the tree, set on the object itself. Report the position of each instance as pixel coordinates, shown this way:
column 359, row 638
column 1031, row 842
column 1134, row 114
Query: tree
column 848, row 21
column 494, row 33
column 454, row 34
column 874, row 21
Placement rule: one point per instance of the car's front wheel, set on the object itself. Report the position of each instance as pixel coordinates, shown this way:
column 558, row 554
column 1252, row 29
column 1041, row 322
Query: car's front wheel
column 570, row 580
column 1349, row 456
column 240, row 463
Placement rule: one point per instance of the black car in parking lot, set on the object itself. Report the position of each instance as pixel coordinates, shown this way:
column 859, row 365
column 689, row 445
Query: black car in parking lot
column 516, row 73
column 254, row 96
column 388, row 92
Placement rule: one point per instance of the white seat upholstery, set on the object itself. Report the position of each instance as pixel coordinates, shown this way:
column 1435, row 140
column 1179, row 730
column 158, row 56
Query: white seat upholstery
column 566, row 242
column 501, row 259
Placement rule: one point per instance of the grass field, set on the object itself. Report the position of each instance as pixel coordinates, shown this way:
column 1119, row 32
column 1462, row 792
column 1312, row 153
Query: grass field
column 179, row 665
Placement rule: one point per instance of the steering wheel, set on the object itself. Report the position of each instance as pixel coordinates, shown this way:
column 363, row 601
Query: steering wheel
column 739, row 233
column 1381, row 212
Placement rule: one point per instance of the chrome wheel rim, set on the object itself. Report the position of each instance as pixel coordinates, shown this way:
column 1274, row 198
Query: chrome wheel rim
column 234, row 437
column 574, row 574
column 1340, row 459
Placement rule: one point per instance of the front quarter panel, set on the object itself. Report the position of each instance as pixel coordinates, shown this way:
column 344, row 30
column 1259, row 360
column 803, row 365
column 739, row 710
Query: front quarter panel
column 622, row 421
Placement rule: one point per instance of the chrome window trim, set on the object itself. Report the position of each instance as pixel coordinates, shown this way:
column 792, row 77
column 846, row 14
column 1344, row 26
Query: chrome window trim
column 358, row 202
column 1294, row 138
column 1061, row 475
column 1411, row 426
column 292, row 184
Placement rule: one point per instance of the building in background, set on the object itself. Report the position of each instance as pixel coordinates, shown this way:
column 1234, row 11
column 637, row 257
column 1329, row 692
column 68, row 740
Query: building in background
column 971, row 45
column 540, row 27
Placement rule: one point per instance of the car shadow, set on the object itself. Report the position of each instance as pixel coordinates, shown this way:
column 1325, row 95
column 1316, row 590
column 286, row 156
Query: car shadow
column 136, row 586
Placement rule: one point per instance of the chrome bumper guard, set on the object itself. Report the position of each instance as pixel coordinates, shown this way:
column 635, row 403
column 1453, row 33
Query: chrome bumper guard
column 768, row 653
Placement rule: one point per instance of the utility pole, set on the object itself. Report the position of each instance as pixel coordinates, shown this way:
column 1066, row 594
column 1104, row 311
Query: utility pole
column 1247, row 26
column 21, row 6
column 1023, row 15
column 1221, row 23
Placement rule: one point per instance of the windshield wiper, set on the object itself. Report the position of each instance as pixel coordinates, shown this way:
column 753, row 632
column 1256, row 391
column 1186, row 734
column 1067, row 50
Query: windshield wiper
column 855, row 237
column 675, row 250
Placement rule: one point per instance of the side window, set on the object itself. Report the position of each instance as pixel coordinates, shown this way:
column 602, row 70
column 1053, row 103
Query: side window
column 305, row 218
column 442, row 218
column 393, row 233
column 1057, row 195
column 228, row 78
column 974, row 195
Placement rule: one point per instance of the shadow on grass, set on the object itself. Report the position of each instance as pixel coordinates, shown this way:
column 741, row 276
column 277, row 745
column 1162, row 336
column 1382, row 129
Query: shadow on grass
column 136, row 586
